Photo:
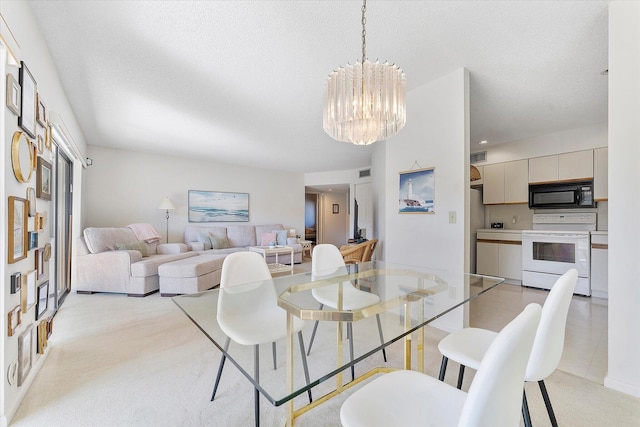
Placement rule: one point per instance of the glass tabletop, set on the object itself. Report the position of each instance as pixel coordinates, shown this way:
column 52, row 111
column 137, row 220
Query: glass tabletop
column 403, row 298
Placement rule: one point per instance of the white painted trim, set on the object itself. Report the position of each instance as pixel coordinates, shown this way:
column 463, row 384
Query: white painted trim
column 621, row 386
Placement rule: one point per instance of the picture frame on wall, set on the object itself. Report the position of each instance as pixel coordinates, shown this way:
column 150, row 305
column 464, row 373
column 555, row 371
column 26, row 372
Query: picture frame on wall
column 18, row 211
column 39, row 262
column 41, row 112
column 218, row 206
column 43, row 179
column 28, row 291
column 416, row 192
column 25, row 343
column 28, row 101
column 13, row 320
column 13, row 94
column 31, row 198
column 42, row 299
column 33, row 239
column 16, row 282
column 336, row 208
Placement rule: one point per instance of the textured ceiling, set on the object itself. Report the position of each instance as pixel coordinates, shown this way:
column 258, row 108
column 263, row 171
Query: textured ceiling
column 242, row 81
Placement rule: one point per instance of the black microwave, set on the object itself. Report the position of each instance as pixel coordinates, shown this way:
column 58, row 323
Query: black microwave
column 562, row 195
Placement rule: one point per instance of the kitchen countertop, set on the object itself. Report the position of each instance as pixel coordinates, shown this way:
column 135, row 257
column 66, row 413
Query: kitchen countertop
column 498, row 230
column 600, row 233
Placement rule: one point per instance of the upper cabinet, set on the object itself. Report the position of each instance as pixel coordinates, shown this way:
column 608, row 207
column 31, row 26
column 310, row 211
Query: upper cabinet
column 601, row 174
column 563, row 167
column 505, row 183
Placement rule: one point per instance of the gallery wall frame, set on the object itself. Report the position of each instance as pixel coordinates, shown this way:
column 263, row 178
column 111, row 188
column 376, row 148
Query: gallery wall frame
column 13, row 94
column 28, row 291
column 336, row 208
column 42, row 299
column 25, row 345
column 13, row 320
column 41, row 112
column 16, row 282
column 218, row 206
column 18, row 211
column 39, row 262
column 31, row 197
column 416, row 191
column 28, row 101
column 32, row 239
column 22, row 160
column 43, row 179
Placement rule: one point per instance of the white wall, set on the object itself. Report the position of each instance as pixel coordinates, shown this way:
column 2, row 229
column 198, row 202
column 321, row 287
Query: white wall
column 30, row 47
column 624, row 175
column 435, row 136
column 124, row 187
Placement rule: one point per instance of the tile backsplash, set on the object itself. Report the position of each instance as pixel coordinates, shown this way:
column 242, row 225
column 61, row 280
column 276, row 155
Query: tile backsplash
column 523, row 216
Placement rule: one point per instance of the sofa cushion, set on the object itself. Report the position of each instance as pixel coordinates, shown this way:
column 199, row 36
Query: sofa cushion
column 102, row 239
column 149, row 266
column 241, row 235
column 203, row 237
column 133, row 246
column 269, row 228
column 192, row 267
column 267, row 239
column 281, row 237
column 219, row 242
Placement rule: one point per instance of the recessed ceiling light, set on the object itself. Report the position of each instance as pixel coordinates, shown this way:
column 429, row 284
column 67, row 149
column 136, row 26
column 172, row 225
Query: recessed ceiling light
column 482, row 142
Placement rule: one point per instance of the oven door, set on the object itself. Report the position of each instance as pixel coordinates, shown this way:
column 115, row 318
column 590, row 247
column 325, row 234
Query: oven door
column 556, row 252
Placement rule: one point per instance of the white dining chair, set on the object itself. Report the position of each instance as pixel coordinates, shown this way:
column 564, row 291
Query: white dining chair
column 254, row 318
column 326, row 261
column 468, row 346
column 409, row 398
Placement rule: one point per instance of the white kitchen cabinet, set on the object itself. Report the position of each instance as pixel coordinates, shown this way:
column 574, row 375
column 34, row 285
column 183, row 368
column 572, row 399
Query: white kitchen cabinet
column 493, row 188
column 577, row 165
column 601, row 174
column 599, row 265
column 488, row 259
column 499, row 253
column 574, row 166
column 506, row 183
column 516, row 184
column 543, row 169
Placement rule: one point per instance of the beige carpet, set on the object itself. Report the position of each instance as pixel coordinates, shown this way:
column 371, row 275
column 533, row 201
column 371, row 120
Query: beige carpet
column 118, row 361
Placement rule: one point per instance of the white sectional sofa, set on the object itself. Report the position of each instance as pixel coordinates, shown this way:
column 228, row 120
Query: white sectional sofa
column 102, row 268
column 234, row 238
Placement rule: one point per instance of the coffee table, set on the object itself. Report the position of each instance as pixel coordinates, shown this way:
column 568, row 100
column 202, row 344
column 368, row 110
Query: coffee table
column 275, row 267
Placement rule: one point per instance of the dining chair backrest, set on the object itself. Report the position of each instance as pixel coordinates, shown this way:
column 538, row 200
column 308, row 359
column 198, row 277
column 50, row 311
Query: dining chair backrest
column 369, row 250
column 495, row 395
column 326, row 259
column 549, row 342
column 243, row 267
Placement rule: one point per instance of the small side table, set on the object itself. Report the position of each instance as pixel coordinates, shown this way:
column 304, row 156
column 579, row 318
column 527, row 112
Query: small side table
column 307, row 245
column 275, row 267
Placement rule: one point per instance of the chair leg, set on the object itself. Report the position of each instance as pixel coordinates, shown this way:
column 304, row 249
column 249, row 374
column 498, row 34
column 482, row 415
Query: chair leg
column 384, row 351
column 273, row 350
column 525, row 410
column 443, row 368
column 350, row 334
column 215, row 387
column 256, row 375
column 313, row 334
column 304, row 363
column 460, row 377
column 547, row 403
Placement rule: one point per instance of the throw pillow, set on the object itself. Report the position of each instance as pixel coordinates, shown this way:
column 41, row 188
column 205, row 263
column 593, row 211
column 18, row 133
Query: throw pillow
column 204, row 239
column 281, row 236
column 268, row 238
column 133, row 246
column 219, row 242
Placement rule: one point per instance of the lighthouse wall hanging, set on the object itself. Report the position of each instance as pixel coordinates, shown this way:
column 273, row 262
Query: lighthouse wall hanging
column 417, row 191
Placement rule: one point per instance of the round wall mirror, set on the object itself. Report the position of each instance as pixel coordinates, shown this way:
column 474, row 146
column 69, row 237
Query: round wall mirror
column 22, row 157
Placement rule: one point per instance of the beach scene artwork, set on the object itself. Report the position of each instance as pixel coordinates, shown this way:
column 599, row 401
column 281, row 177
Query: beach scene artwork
column 417, row 190
column 215, row 206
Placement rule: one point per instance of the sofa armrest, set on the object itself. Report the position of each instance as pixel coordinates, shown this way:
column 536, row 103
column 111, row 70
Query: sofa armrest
column 108, row 271
column 195, row 246
column 171, row 248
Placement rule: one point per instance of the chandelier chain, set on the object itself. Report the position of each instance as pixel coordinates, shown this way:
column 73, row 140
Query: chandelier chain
column 364, row 31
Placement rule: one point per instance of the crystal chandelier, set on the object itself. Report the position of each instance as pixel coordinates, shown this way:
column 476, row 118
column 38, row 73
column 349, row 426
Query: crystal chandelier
column 364, row 102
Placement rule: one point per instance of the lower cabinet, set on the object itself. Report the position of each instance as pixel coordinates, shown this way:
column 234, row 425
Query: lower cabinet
column 499, row 255
column 599, row 266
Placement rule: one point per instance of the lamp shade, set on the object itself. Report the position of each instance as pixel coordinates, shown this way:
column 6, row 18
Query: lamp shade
column 166, row 204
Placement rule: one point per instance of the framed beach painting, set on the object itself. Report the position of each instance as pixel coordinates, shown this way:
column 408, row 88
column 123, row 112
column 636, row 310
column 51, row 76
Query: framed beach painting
column 417, row 191
column 216, row 206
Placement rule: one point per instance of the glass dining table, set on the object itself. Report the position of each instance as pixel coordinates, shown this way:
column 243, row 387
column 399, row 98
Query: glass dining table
column 408, row 298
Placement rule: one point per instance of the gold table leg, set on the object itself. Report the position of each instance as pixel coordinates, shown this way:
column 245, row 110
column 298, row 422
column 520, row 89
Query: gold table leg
column 290, row 367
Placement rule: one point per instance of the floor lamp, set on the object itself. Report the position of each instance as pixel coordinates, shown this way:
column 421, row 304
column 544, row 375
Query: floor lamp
column 167, row 206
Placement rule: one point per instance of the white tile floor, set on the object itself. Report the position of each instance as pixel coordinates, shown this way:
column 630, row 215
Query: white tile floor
column 585, row 351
